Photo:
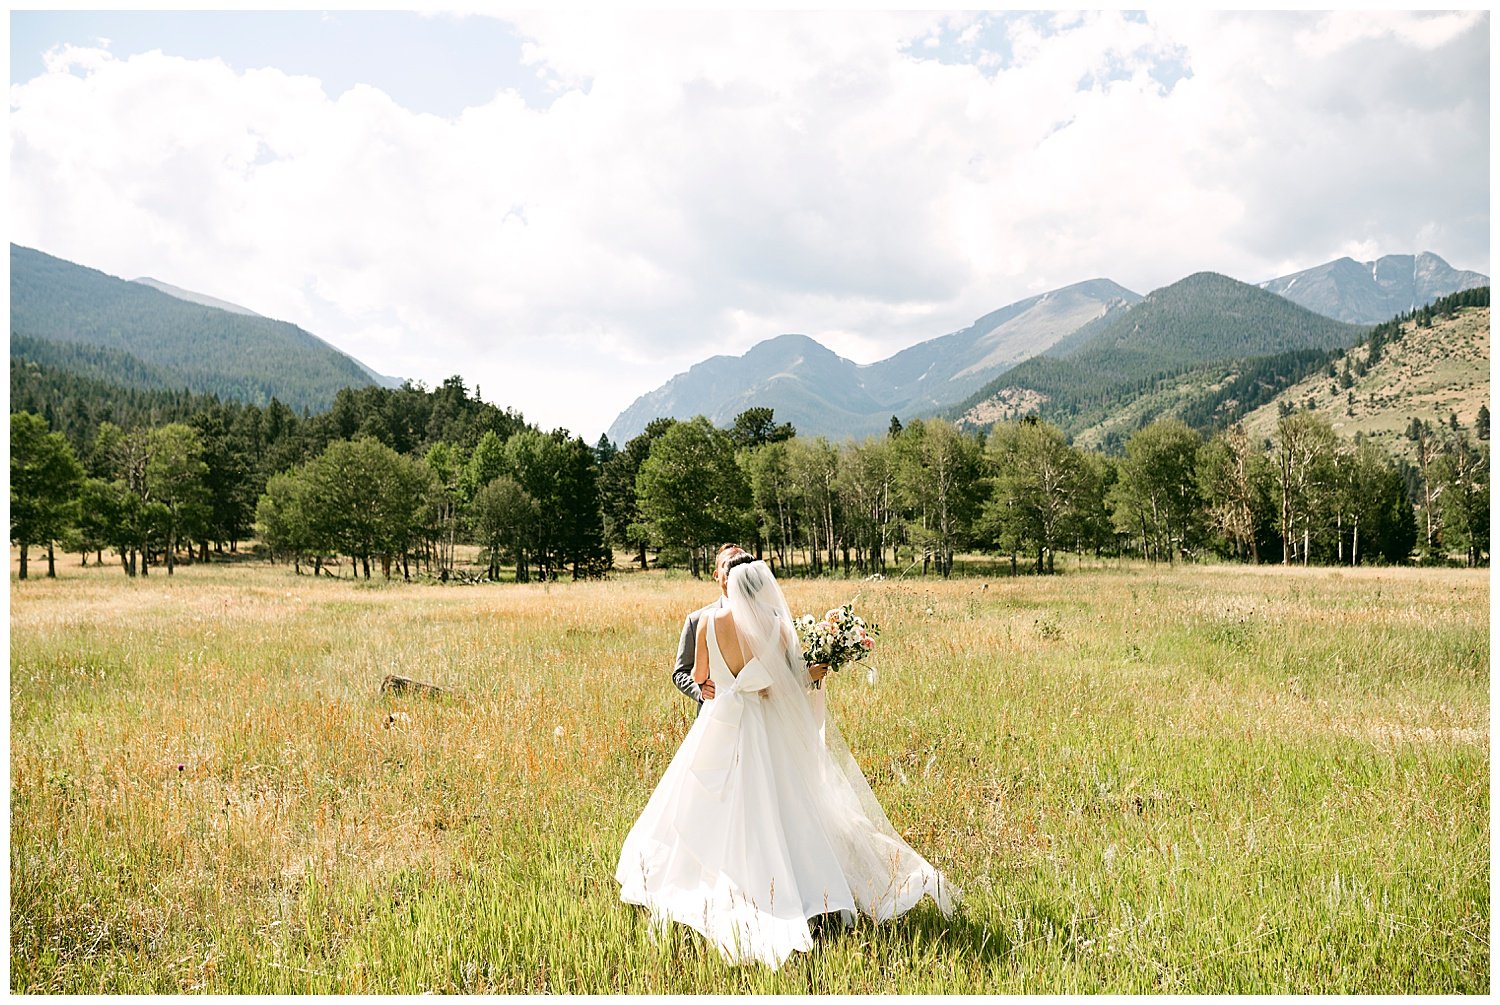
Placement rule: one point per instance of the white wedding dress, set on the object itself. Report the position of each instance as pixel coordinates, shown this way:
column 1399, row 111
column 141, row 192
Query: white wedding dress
column 755, row 827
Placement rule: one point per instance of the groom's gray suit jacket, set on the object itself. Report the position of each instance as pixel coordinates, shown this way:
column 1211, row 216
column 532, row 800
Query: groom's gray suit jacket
column 687, row 653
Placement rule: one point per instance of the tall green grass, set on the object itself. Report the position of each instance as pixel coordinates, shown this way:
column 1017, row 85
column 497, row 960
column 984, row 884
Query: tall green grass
column 1144, row 779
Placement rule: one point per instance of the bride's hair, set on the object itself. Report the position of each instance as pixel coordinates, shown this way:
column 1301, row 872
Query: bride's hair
column 743, row 558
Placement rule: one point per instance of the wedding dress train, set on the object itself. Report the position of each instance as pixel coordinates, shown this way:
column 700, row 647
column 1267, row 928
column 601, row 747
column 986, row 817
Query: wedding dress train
column 755, row 828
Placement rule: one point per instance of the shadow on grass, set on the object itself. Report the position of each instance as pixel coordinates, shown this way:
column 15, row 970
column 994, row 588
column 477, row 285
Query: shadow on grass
column 965, row 934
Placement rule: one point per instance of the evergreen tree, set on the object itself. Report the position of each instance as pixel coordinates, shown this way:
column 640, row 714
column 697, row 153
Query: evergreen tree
column 757, row 426
column 227, row 479
column 617, row 490
column 1462, row 475
column 581, row 537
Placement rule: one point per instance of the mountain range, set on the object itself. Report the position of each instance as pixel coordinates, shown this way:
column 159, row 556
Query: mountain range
column 1181, row 345
column 1071, row 354
column 73, row 317
column 1094, row 357
column 1368, row 293
column 821, row 392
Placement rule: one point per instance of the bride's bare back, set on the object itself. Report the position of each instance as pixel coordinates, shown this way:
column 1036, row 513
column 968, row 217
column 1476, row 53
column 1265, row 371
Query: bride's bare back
column 728, row 638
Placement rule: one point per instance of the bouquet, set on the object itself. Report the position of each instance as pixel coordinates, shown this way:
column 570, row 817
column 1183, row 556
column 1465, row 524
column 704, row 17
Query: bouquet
column 841, row 637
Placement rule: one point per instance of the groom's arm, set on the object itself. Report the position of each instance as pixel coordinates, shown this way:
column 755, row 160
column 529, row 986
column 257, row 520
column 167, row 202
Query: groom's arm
column 682, row 673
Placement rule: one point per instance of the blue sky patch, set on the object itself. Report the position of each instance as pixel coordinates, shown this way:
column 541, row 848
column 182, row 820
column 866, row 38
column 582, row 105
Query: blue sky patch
column 438, row 64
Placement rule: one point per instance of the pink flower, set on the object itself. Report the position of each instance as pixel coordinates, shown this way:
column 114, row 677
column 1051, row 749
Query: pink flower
column 867, row 644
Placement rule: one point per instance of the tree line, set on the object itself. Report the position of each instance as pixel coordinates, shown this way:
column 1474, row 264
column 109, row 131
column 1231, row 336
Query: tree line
column 157, row 470
column 394, row 479
column 920, row 493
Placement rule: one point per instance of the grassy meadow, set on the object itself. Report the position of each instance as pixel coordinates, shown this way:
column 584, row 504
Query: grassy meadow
column 1205, row 779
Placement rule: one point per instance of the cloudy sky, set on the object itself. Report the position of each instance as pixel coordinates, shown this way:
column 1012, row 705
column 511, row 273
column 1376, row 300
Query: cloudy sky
column 567, row 209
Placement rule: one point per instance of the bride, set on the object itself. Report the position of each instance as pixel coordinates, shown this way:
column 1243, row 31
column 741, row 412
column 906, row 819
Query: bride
column 760, row 823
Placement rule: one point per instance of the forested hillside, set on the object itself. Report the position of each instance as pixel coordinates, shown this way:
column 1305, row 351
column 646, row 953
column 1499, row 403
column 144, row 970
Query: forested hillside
column 1432, row 366
column 1208, row 397
column 178, row 343
column 111, row 366
column 1202, row 324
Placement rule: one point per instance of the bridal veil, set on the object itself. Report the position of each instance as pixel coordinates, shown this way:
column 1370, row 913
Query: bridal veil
column 885, row 874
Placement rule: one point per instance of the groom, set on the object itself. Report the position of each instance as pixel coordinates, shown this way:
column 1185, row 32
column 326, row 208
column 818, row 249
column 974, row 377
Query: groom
column 687, row 648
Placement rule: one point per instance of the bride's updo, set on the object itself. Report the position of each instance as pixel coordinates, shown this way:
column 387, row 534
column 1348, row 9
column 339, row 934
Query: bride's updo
column 741, row 574
column 743, row 558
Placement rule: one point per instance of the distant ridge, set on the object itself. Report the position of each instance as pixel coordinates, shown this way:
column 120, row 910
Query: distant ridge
column 1206, row 318
column 822, row 393
column 203, row 349
column 195, row 298
column 205, row 300
column 1372, row 292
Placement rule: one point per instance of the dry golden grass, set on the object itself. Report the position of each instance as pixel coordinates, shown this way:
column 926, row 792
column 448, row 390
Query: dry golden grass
column 1181, row 779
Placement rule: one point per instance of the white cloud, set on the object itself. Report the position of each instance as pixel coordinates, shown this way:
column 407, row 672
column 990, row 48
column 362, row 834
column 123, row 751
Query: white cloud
column 702, row 182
